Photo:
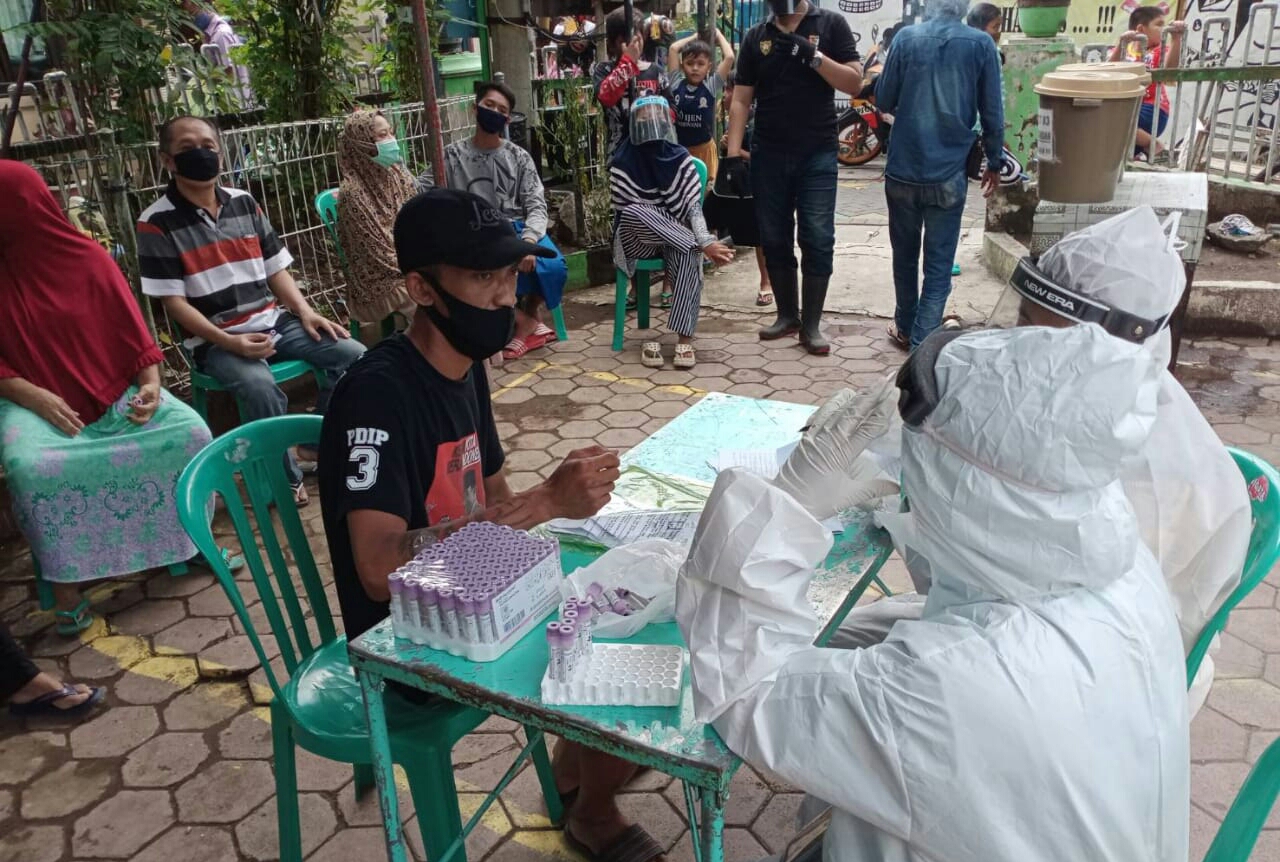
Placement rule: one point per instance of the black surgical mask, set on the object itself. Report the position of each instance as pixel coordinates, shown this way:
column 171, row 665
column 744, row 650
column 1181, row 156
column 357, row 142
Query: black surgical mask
column 199, row 164
column 476, row 333
column 490, row 120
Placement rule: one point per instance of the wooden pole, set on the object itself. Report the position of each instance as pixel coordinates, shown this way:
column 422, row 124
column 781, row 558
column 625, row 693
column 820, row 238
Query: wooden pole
column 431, row 108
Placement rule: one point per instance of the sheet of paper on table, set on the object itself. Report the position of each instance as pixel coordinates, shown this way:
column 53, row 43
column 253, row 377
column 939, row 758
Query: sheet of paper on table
column 763, row 462
column 612, row 529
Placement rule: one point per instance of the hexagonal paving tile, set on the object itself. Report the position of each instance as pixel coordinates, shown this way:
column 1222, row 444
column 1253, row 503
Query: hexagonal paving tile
column 165, row 760
column 167, row 586
column 191, row 635
column 259, row 835
column 107, row 656
column 123, row 824
column 25, row 843
column 366, row 812
column 776, row 824
column 204, row 706
column 1257, row 627
column 25, row 755
column 1236, row 659
column 115, row 732
column 353, row 844
column 1216, row 786
column 232, row 658
column 190, row 844
column 1216, row 737
column 71, row 787
column 149, row 617
column 156, row 679
column 248, row 736
column 1252, row 702
column 209, row 602
column 225, row 791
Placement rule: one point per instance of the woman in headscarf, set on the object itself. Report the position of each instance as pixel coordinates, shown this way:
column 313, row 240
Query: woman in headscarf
column 657, row 212
column 90, row 444
column 374, row 185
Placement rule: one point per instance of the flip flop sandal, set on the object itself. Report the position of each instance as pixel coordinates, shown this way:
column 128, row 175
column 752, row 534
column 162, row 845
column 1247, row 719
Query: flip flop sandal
column 300, row 498
column 664, row 299
column 516, row 348
column 45, row 704
column 952, row 321
column 764, row 298
column 631, row 302
column 234, row 562
column 685, row 356
column 651, row 355
column 633, row 845
column 74, row 621
column 898, row 338
column 308, row 458
column 546, row 332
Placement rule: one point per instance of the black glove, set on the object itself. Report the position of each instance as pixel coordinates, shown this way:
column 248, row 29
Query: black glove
column 733, row 180
column 795, row 46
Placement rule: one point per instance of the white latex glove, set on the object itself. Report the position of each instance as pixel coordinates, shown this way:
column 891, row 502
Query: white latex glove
column 824, row 473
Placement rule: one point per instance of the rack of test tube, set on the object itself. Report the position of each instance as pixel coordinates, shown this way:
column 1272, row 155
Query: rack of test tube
column 582, row 672
column 476, row 593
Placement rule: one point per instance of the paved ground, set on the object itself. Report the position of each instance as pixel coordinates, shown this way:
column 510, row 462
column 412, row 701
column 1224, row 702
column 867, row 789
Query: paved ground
column 178, row 766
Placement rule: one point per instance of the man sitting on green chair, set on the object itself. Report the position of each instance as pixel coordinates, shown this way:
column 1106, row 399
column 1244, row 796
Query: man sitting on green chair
column 410, row 452
column 491, row 166
column 222, row 273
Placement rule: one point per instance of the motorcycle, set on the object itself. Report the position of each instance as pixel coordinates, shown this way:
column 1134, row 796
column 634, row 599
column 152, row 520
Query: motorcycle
column 862, row 130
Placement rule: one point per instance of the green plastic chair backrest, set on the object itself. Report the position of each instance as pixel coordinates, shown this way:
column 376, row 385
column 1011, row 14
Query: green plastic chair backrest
column 327, row 207
column 1240, row 828
column 253, row 453
column 702, row 172
column 1264, row 547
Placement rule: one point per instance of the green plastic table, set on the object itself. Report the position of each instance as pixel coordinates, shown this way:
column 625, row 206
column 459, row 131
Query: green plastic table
column 667, row 739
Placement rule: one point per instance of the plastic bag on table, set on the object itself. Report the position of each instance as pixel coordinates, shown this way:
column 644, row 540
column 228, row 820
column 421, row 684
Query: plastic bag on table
column 647, row 568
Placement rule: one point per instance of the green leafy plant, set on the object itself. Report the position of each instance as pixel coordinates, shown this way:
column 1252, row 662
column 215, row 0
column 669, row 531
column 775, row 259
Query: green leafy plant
column 114, row 51
column 298, row 54
column 401, row 54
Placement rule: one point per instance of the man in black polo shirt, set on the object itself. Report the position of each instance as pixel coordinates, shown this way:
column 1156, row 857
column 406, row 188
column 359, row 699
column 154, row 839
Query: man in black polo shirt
column 791, row 65
column 409, row 450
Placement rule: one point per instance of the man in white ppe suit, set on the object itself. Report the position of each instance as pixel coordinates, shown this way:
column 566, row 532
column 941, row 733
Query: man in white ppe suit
column 1037, row 710
column 1190, row 498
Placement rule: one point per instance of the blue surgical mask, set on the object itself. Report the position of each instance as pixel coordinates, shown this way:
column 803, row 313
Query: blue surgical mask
column 388, row 154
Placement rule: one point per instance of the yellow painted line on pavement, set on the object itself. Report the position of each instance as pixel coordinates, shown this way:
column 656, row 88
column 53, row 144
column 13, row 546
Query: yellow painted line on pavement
column 607, row 376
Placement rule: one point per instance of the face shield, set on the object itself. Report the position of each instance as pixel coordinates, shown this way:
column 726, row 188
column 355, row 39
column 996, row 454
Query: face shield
column 783, row 7
column 651, row 121
column 1124, row 274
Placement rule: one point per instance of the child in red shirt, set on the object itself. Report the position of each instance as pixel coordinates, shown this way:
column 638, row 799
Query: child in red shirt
column 1154, row 113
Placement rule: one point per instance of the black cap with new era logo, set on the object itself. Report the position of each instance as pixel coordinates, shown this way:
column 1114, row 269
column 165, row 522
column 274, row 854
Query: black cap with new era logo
column 460, row 229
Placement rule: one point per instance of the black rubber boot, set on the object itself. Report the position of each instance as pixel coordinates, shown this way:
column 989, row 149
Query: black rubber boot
column 786, row 299
column 814, row 295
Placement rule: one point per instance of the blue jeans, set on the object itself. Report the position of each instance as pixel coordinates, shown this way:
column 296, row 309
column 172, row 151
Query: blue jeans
column 250, row 380
column 796, row 191
column 936, row 210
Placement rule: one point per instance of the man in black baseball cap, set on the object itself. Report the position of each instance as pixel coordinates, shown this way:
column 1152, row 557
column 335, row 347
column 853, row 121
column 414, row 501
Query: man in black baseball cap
column 410, row 450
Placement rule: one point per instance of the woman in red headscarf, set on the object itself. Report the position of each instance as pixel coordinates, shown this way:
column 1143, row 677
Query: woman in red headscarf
column 90, row 444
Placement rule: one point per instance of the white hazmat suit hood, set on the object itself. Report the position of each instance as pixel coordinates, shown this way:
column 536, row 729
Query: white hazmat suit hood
column 1037, row 711
column 1190, row 498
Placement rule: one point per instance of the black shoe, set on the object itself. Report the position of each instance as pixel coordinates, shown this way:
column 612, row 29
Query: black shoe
column 814, row 294
column 787, row 300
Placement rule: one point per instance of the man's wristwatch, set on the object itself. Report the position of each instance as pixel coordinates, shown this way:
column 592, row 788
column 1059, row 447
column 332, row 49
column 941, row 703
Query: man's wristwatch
column 816, row 62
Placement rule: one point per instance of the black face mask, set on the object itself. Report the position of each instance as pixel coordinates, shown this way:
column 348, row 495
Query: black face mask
column 199, row 164
column 476, row 333
column 490, row 120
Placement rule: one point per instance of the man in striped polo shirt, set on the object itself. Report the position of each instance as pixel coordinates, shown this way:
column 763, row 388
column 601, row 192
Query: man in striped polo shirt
column 222, row 273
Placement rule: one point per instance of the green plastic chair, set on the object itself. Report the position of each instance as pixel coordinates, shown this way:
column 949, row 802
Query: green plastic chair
column 1243, row 823
column 319, row 707
column 644, row 266
column 1264, row 547
column 202, row 384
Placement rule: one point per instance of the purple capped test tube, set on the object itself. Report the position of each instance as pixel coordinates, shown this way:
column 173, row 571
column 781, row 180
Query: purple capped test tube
column 467, row 617
column 484, row 617
column 448, row 613
column 595, row 595
column 555, row 652
column 395, row 586
column 569, row 643
column 429, row 602
column 586, row 626
column 409, row 606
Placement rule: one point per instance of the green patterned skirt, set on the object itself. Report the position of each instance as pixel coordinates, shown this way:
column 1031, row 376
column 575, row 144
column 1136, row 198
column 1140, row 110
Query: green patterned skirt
column 100, row 504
